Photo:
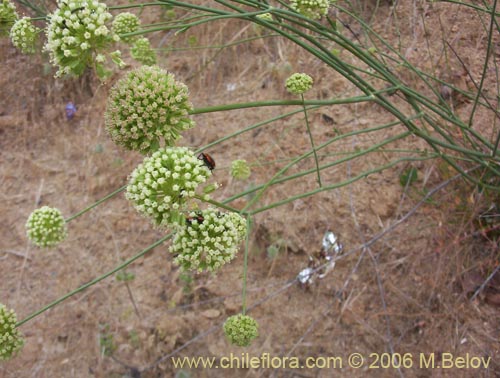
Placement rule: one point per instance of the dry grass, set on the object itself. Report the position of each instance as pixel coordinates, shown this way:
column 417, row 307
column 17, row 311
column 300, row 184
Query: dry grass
column 409, row 292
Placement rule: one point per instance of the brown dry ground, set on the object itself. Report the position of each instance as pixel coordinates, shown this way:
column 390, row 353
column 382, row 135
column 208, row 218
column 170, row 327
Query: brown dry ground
column 409, row 292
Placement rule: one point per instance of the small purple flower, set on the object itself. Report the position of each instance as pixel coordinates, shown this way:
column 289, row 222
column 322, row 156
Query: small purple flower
column 70, row 110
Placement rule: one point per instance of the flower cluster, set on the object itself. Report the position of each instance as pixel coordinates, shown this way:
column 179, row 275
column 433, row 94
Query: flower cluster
column 125, row 23
column 146, row 105
column 240, row 169
column 76, row 32
column 299, row 83
column 208, row 240
column 24, row 35
column 8, row 16
column 313, row 9
column 11, row 340
column 160, row 187
column 142, row 52
column 46, row 227
column 241, row 329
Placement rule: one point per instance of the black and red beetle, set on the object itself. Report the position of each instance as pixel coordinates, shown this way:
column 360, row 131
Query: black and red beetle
column 207, row 160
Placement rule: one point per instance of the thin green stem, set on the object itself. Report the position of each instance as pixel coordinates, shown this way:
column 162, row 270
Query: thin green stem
column 337, row 185
column 218, row 204
column 486, row 59
column 258, row 104
column 311, row 140
column 119, row 190
column 94, row 281
column 245, row 267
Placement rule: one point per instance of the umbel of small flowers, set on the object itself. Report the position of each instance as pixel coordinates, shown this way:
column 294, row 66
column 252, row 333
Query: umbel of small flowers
column 142, row 52
column 8, row 16
column 145, row 107
column 124, row 23
column 11, row 340
column 313, row 9
column 161, row 186
column 24, row 35
column 46, row 227
column 240, row 169
column 299, row 83
column 241, row 329
column 76, row 34
column 207, row 240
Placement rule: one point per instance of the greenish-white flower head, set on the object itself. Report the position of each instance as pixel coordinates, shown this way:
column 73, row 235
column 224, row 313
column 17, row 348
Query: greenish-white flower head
column 8, row 16
column 208, row 239
column 142, row 52
column 241, row 330
column 24, row 35
column 313, row 9
column 299, row 83
column 11, row 340
column 76, row 34
column 46, row 227
column 125, row 22
column 162, row 185
column 240, row 169
column 146, row 109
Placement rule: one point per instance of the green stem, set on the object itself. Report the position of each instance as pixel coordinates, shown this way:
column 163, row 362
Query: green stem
column 258, row 104
column 119, row 190
column 245, row 268
column 94, row 281
column 337, row 185
column 218, row 204
column 311, row 140
column 485, row 66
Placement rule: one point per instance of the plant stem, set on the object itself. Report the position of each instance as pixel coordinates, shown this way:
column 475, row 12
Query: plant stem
column 94, row 281
column 311, row 140
column 245, row 269
column 105, row 198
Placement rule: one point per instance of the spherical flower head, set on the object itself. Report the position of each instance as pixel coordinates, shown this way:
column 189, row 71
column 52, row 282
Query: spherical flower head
column 142, row 52
column 161, row 186
column 146, row 107
column 241, row 329
column 240, row 169
column 125, row 23
column 299, row 83
column 312, row 9
column 207, row 240
column 11, row 340
column 8, row 16
column 77, row 32
column 24, row 35
column 46, row 227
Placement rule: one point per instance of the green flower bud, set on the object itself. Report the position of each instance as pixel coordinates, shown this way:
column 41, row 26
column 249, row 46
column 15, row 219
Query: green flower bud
column 208, row 239
column 146, row 106
column 46, row 227
column 241, row 329
column 160, row 187
column 142, row 52
column 24, row 35
column 76, row 33
column 313, row 9
column 125, row 23
column 8, row 16
column 11, row 340
column 240, row 170
column 299, row 83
